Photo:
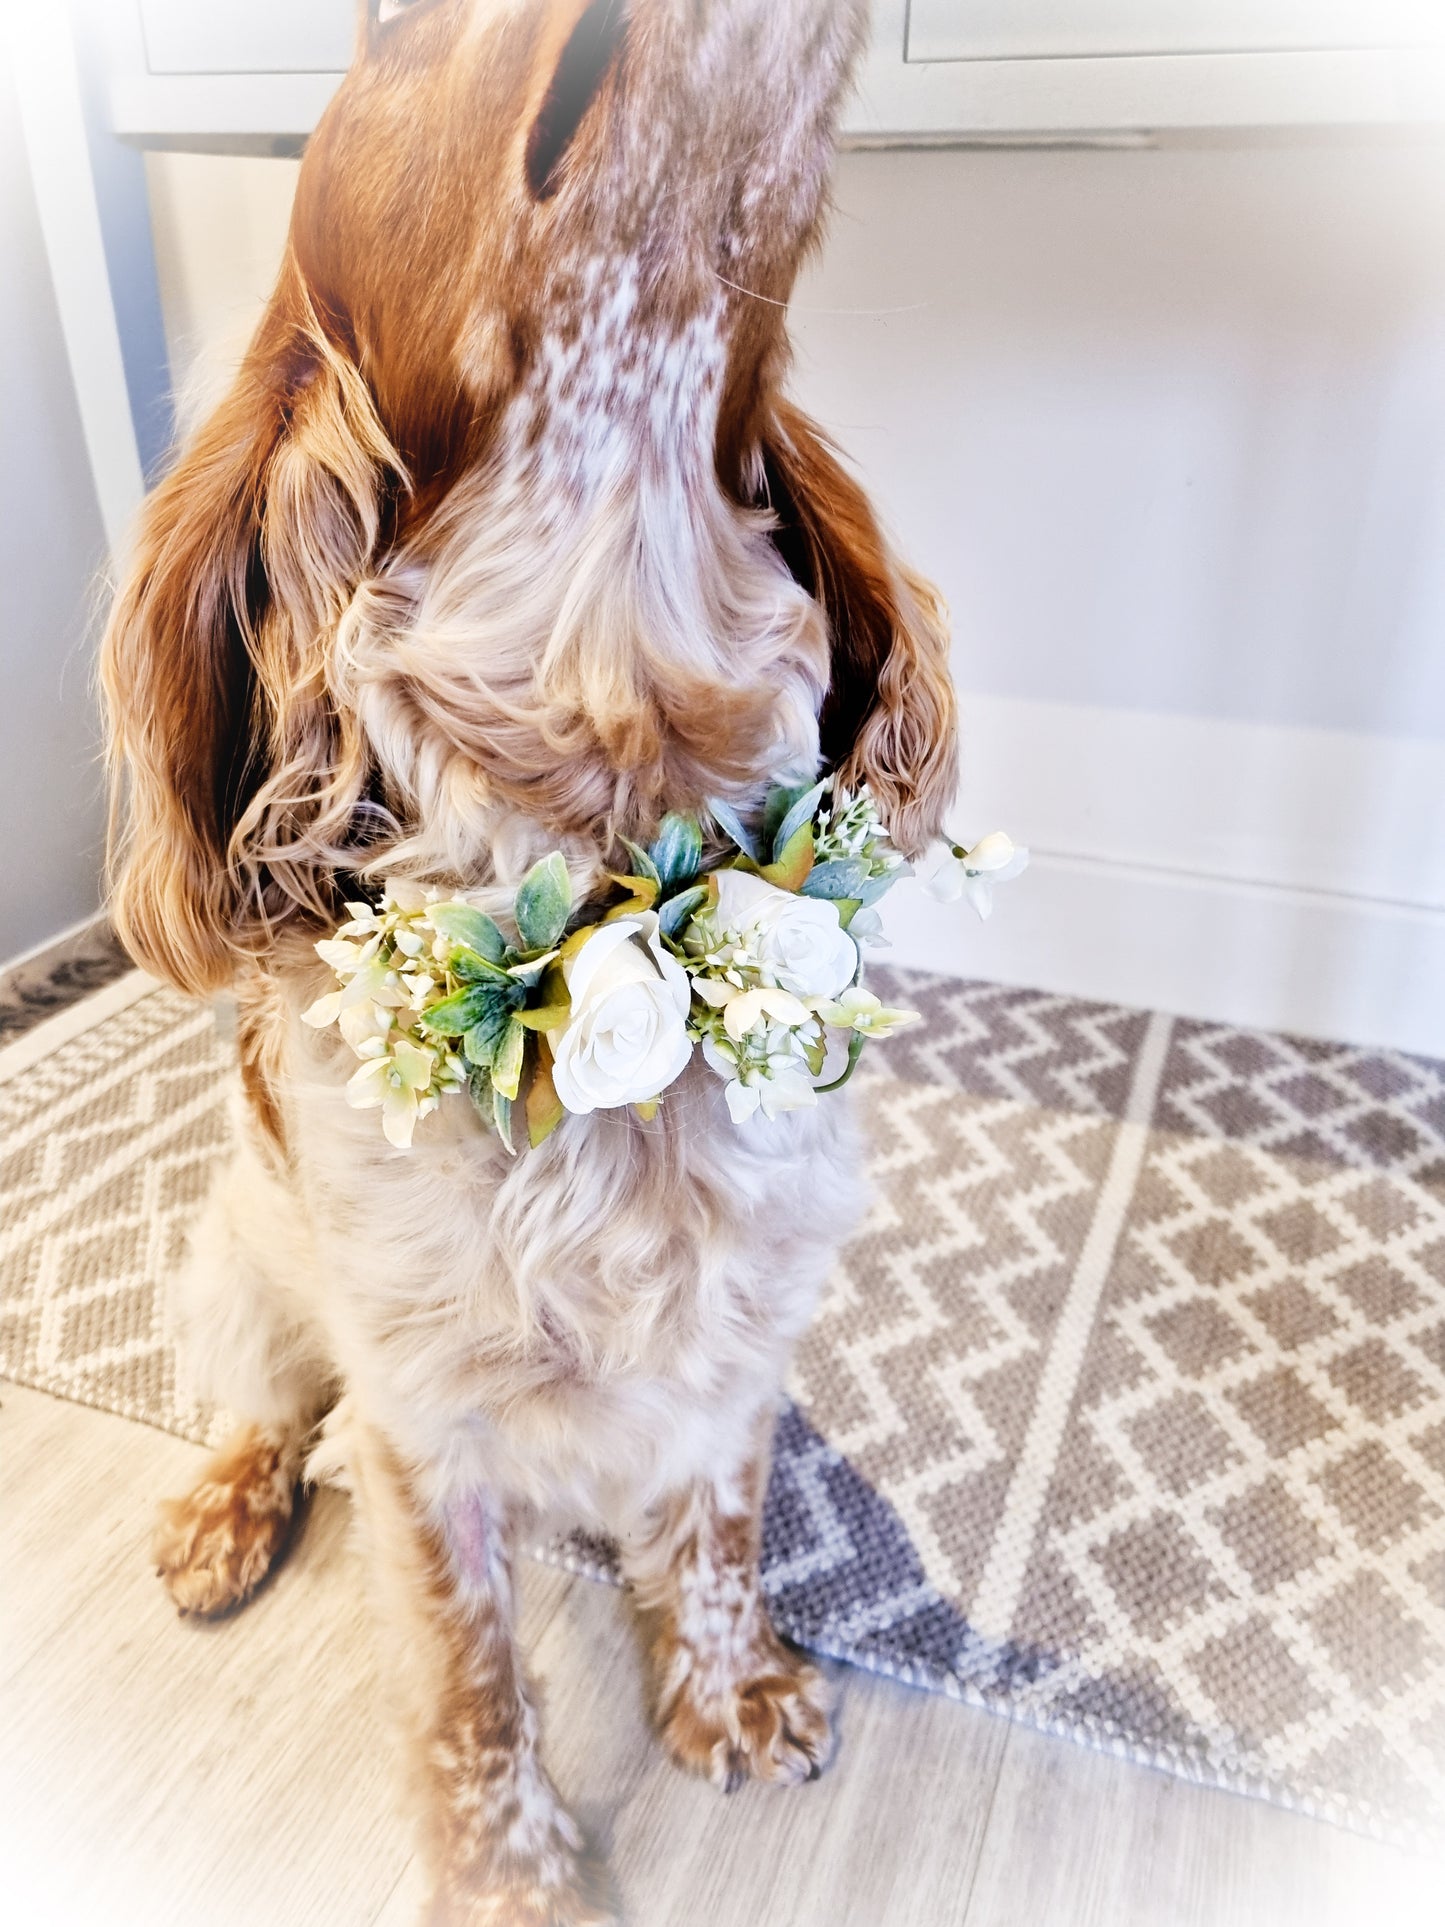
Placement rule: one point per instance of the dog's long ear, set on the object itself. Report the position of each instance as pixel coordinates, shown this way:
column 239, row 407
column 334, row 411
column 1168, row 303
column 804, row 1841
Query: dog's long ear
column 213, row 667
column 889, row 717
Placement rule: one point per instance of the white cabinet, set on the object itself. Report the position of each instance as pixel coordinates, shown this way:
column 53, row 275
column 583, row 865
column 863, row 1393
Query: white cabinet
column 1127, row 29
column 248, row 36
column 1052, row 69
column 258, row 73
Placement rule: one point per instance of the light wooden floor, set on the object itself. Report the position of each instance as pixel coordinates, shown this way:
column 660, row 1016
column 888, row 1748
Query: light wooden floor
column 237, row 1775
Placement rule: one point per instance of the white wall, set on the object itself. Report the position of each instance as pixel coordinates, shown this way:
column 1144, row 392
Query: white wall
column 1168, row 426
column 51, row 546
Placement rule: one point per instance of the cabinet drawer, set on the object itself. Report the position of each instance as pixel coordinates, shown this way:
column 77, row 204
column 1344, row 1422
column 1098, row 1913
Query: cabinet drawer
column 248, row 36
column 1089, row 29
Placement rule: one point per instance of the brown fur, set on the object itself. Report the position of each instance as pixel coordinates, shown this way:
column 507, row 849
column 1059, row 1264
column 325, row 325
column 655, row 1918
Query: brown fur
column 732, row 1701
column 505, row 1851
column 215, row 1546
column 400, row 332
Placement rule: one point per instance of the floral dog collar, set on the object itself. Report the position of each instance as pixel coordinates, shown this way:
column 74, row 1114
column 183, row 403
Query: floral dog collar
column 752, row 959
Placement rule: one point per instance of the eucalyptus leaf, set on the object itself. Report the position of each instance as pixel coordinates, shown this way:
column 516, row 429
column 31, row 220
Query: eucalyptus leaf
column 842, row 877
column 507, row 1064
column 642, row 864
column 460, row 1012
column 678, row 911
column 802, row 810
column 502, row 1118
column 530, row 974
column 732, row 825
column 473, row 968
column 545, row 1017
column 875, row 889
column 779, row 802
column 482, row 1041
column 791, row 869
column 677, row 852
column 545, row 1110
column 462, row 924
column 544, row 903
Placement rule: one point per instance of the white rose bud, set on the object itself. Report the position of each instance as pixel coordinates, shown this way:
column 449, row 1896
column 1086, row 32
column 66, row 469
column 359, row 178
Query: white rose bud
column 798, row 941
column 626, row 1039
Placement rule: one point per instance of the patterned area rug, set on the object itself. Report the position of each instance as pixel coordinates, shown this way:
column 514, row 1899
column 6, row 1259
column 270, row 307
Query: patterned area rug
column 1125, row 1414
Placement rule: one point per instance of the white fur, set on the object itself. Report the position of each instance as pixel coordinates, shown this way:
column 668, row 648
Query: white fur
column 586, row 1328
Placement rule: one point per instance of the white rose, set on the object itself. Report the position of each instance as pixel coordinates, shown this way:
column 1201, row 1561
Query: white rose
column 798, row 941
column 626, row 1039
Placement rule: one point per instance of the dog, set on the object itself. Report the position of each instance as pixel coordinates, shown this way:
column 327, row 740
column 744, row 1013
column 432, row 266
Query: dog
column 506, row 538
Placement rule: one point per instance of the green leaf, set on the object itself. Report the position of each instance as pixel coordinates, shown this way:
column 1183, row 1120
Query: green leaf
column 545, row 1110
column 482, row 1042
column 855, row 1051
column 876, row 888
column 680, row 910
column 791, row 869
column 732, row 825
column 530, row 974
column 462, row 924
column 642, row 864
column 800, row 811
column 779, row 802
column 507, row 1064
column 544, row 903
column 677, row 852
column 473, row 968
column 843, row 877
column 545, row 1016
column 479, row 1089
column 847, row 908
column 502, row 1118
column 462, row 1011
column 643, row 897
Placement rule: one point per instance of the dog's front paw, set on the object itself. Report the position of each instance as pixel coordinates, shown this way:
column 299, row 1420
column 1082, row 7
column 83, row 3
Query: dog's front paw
column 769, row 1722
column 518, row 1860
column 523, row 1906
column 545, row 1895
column 213, row 1547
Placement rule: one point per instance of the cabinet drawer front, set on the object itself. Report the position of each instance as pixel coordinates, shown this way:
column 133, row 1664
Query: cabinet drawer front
column 1085, row 29
column 248, row 36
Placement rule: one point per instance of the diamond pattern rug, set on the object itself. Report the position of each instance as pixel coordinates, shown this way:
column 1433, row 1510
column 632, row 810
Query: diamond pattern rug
column 1125, row 1413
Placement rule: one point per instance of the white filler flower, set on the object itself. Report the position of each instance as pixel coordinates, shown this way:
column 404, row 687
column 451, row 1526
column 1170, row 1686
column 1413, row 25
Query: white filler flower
column 626, row 1039
column 797, row 942
column 974, row 873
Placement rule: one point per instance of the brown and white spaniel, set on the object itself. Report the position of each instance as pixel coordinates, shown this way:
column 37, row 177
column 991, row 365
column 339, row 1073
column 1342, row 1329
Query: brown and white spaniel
column 506, row 538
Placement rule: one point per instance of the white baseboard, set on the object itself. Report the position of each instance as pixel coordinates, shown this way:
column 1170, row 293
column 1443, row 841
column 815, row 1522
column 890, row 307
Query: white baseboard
column 1289, row 879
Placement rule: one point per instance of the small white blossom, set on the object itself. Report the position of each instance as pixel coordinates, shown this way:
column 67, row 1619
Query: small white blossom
column 765, row 1070
column 745, row 1008
column 860, row 1010
column 973, row 874
column 402, row 1083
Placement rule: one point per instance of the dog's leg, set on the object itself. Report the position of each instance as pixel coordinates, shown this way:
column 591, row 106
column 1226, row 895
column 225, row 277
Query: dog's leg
column 501, row 1848
column 238, row 1308
column 731, row 1700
